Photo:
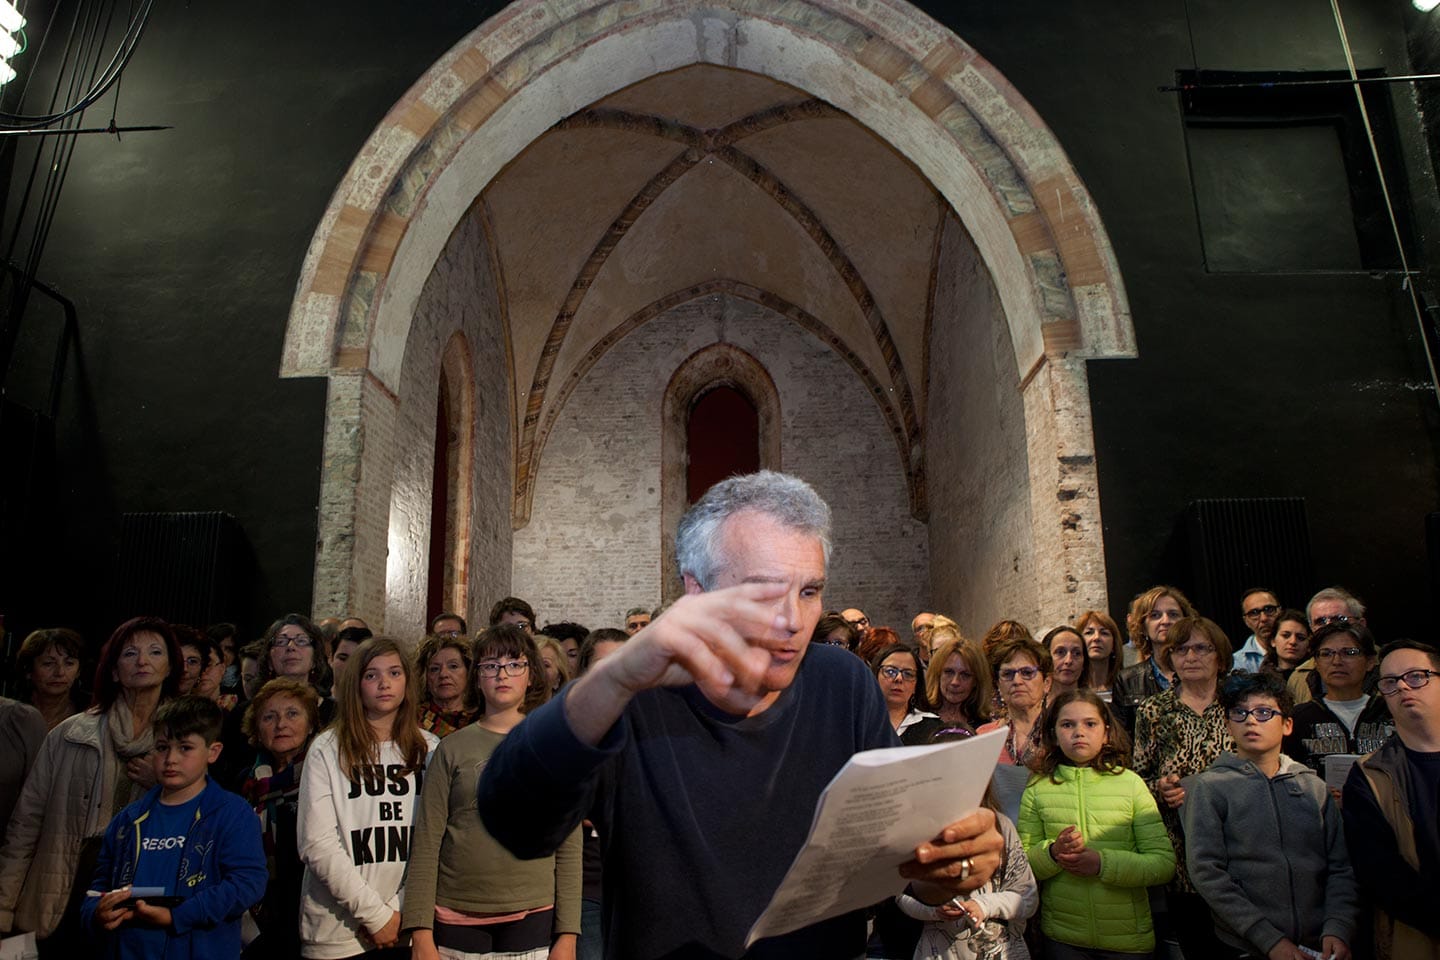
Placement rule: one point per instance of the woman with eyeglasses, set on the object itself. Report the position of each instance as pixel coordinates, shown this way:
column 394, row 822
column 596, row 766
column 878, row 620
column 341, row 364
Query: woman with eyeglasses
column 1022, row 677
column 444, row 664
column 1179, row 732
column 466, row 895
column 296, row 649
column 958, row 680
column 1345, row 720
column 897, row 668
column 1149, row 622
column 836, row 631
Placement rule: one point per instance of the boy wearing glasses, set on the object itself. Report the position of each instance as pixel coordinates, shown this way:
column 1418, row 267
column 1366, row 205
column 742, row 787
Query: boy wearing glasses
column 1264, row 842
column 1345, row 720
column 1392, row 818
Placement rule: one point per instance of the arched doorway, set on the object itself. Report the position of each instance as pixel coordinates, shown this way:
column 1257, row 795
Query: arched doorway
column 1020, row 213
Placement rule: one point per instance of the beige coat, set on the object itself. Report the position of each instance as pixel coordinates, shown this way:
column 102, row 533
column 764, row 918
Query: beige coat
column 60, row 806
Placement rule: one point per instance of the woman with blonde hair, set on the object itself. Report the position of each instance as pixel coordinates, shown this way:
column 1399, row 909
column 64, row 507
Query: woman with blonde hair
column 1151, row 616
column 958, row 679
column 555, row 661
column 358, row 797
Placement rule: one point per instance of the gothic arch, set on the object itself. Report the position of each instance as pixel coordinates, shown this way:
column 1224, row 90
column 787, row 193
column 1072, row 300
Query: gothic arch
column 884, row 63
column 717, row 364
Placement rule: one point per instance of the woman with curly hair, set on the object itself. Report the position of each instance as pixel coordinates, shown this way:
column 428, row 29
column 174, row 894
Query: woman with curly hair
column 1151, row 616
column 444, row 666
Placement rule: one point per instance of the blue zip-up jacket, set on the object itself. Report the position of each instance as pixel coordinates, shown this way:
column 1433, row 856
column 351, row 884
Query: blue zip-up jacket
column 222, row 874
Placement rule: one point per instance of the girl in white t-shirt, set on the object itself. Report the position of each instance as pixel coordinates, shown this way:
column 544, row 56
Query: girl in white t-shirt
column 357, row 801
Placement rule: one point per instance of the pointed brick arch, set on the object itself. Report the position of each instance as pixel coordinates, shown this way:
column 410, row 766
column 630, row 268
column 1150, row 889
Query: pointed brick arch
column 884, row 63
column 715, row 365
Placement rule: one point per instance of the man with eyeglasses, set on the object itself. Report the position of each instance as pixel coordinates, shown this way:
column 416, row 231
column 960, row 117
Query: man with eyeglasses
column 1392, row 807
column 1260, row 609
column 513, row 610
column 1344, row 720
column 1331, row 605
column 701, row 746
column 1263, row 838
column 921, row 627
column 448, row 626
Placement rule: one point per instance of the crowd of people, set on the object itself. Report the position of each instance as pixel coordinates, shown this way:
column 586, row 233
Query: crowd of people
column 529, row 791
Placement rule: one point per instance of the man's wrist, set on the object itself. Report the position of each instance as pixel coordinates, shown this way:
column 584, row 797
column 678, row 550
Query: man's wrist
column 594, row 704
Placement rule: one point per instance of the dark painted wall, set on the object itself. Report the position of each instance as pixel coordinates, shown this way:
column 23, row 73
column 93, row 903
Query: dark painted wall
column 182, row 250
column 1246, row 385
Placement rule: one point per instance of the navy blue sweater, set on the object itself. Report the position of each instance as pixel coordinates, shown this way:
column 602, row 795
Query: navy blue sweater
column 700, row 812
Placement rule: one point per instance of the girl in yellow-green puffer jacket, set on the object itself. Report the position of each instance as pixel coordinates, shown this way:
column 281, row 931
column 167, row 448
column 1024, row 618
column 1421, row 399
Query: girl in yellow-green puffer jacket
column 1092, row 834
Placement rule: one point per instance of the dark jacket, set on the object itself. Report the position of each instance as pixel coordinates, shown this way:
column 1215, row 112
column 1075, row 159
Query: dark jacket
column 222, row 874
column 1318, row 732
column 1133, row 684
column 1391, row 831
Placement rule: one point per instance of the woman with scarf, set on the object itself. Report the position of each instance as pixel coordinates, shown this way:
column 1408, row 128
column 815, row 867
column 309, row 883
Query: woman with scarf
column 90, row 767
column 280, row 723
column 443, row 664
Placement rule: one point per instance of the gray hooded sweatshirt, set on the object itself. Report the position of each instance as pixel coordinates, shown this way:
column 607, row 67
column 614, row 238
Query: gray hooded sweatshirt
column 1268, row 854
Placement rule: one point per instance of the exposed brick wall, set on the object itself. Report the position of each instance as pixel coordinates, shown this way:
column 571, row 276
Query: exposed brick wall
column 592, row 547
column 388, row 440
column 982, row 554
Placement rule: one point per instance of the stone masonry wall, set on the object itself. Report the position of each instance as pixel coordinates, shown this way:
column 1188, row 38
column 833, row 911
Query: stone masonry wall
column 459, row 295
column 982, row 556
column 592, row 547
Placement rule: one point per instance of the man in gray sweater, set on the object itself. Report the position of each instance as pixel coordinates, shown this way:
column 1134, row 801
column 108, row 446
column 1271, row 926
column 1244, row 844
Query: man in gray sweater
column 1263, row 837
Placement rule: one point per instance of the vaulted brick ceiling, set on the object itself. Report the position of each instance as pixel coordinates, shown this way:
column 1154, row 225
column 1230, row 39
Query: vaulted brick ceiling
column 704, row 180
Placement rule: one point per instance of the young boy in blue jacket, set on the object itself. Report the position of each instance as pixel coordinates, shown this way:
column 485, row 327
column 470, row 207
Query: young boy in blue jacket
column 190, row 846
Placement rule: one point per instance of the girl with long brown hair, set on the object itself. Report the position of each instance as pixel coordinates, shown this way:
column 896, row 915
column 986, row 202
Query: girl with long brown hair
column 358, row 795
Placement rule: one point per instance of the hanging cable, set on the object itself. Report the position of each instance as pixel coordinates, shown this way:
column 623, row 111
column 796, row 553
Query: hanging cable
column 1409, row 283
column 107, row 78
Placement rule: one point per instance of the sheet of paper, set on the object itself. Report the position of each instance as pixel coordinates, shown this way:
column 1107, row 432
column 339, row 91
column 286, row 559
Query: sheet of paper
column 1337, row 769
column 869, row 820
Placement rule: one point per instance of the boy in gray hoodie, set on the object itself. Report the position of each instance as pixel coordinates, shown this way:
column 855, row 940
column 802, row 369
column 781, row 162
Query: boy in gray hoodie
column 1263, row 837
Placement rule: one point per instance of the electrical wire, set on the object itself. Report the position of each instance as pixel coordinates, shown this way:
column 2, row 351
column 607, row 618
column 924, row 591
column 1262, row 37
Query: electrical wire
column 1408, row 283
column 82, row 77
column 107, row 78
